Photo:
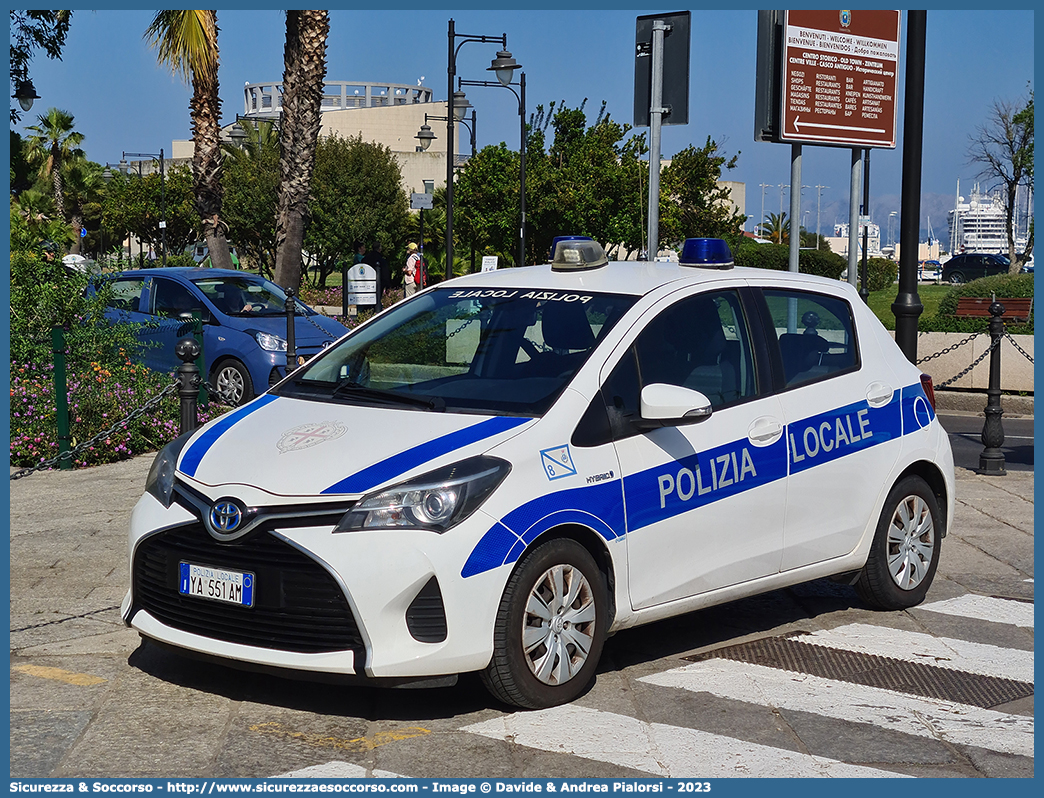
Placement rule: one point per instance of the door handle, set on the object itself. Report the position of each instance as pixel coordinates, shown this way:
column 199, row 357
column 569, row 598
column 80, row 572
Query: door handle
column 764, row 431
column 878, row 394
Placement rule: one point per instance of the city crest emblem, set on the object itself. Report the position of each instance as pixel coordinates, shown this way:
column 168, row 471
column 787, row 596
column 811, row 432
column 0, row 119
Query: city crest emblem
column 311, row 434
column 846, row 19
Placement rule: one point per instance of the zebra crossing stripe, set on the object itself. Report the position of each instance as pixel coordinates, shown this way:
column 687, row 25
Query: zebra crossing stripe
column 985, row 608
column 659, row 749
column 337, row 770
column 941, row 652
column 899, row 712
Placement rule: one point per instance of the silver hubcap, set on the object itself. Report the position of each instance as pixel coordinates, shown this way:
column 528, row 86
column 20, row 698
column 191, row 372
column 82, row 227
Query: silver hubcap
column 911, row 542
column 230, row 384
column 559, row 624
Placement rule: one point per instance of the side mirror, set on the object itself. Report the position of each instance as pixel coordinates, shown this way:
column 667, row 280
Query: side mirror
column 204, row 316
column 672, row 406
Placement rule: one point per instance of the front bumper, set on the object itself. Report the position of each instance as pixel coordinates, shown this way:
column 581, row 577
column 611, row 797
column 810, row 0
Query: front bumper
column 325, row 603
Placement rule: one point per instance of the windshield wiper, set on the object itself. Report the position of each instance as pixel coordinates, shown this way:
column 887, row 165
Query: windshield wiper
column 348, row 387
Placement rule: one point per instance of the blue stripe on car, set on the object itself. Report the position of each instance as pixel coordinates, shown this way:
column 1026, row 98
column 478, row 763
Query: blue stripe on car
column 701, row 478
column 411, row 458
column 199, row 447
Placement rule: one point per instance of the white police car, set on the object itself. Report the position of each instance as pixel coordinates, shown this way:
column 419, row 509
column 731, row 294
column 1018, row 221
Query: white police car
column 499, row 472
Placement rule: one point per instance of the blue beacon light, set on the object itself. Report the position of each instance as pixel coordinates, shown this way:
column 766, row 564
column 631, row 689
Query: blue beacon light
column 706, row 253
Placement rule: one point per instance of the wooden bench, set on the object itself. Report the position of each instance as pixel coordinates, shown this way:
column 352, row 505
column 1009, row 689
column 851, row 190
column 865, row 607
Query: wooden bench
column 977, row 307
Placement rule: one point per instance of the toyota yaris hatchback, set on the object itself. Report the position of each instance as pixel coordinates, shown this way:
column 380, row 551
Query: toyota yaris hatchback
column 500, row 472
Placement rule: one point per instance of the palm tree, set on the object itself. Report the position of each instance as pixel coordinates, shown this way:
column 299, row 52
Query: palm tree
column 83, row 186
column 777, row 229
column 53, row 142
column 304, row 70
column 187, row 42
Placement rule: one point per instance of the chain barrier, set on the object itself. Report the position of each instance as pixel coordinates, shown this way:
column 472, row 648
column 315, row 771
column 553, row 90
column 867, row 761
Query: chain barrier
column 134, row 415
column 1021, row 351
column 949, row 349
column 977, row 361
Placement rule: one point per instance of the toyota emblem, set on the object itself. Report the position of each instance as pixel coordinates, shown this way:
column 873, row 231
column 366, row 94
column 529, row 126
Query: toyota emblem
column 226, row 516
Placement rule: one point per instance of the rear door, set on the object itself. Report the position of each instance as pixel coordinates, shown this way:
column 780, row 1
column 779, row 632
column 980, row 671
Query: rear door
column 842, row 410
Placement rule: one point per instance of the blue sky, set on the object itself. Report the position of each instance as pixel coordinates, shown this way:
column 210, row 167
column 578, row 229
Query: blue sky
column 122, row 100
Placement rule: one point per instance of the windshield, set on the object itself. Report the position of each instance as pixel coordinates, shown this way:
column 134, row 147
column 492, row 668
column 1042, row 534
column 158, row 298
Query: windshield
column 505, row 351
column 246, row 295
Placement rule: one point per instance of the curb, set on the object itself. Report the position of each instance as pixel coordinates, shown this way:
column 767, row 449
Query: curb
column 975, row 402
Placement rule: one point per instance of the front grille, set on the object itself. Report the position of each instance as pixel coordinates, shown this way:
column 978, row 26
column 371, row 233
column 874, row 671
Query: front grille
column 298, row 605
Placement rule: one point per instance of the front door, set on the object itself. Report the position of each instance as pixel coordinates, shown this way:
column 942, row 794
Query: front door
column 705, row 501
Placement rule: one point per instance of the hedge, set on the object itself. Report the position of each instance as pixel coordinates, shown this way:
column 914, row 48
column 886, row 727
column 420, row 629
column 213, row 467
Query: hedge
column 819, row 262
column 1001, row 286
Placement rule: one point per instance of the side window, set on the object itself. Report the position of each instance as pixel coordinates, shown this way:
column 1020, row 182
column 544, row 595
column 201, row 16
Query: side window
column 171, row 299
column 126, row 294
column 702, row 343
column 815, row 334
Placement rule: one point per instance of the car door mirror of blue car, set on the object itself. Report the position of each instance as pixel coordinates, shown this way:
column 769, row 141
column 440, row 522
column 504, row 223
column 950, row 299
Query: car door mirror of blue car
column 672, row 406
column 204, row 316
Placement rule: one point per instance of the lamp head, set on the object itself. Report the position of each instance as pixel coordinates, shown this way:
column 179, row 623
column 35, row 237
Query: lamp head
column 25, row 94
column 460, row 105
column 504, row 65
column 425, row 136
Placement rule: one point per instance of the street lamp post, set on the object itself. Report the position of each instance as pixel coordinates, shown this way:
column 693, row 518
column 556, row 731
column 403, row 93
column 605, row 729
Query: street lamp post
column 26, row 94
column 163, row 195
column 503, row 65
column 456, row 113
column 819, row 203
column 761, row 221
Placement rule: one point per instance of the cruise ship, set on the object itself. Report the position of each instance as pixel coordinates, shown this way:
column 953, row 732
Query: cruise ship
column 977, row 225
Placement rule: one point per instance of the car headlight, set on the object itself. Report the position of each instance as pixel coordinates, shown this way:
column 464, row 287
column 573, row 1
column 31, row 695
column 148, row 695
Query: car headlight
column 161, row 476
column 436, row 501
column 269, row 342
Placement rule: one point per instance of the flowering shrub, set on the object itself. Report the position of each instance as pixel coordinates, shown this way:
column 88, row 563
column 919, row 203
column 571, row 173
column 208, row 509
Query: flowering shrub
column 332, row 297
column 99, row 396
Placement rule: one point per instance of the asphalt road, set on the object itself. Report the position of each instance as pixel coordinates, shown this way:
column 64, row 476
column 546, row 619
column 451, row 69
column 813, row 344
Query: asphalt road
column 798, row 682
column 965, row 439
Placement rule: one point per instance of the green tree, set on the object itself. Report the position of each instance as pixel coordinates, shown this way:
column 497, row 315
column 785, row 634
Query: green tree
column 1003, row 146
column 304, row 71
column 356, row 194
column 251, row 184
column 187, row 43
column 133, row 205
column 31, row 31
column 53, row 142
column 586, row 183
column 696, row 205
column 486, row 202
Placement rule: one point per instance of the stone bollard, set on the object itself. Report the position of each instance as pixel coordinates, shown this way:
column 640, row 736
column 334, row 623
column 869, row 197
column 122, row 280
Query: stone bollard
column 187, row 350
column 291, row 344
column 991, row 459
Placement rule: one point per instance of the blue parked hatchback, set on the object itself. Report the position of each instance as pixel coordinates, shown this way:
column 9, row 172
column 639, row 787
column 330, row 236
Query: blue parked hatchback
column 244, row 323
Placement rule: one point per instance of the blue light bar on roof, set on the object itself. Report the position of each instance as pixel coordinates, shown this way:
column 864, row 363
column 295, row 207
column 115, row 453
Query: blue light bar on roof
column 706, row 253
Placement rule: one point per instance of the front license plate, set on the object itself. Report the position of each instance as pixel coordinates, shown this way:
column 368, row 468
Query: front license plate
column 218, row 584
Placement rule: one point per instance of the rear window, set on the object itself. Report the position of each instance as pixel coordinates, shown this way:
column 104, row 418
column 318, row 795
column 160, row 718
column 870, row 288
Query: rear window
column 815, row 333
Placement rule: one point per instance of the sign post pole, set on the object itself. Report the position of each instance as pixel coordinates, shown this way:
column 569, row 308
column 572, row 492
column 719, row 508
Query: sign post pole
column 656, row 111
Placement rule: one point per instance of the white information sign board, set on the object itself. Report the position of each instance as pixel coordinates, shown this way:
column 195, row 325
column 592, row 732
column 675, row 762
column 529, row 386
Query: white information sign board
column 489, row 263
column 362, row 285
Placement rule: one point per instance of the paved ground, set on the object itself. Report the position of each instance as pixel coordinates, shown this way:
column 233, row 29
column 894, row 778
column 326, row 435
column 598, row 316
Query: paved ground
column 88, row 699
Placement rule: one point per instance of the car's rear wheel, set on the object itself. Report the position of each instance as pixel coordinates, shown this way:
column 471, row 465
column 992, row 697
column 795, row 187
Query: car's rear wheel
column 905, row 553
column 233, row 382
column 957, row 278
column 550, row 627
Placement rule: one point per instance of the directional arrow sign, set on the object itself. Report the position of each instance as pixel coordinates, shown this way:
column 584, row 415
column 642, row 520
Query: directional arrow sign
column 839, row 78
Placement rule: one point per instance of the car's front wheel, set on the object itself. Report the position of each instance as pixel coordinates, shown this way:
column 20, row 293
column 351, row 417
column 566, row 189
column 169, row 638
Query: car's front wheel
column 233, row 382
column 905, row 553
column 550, row 627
